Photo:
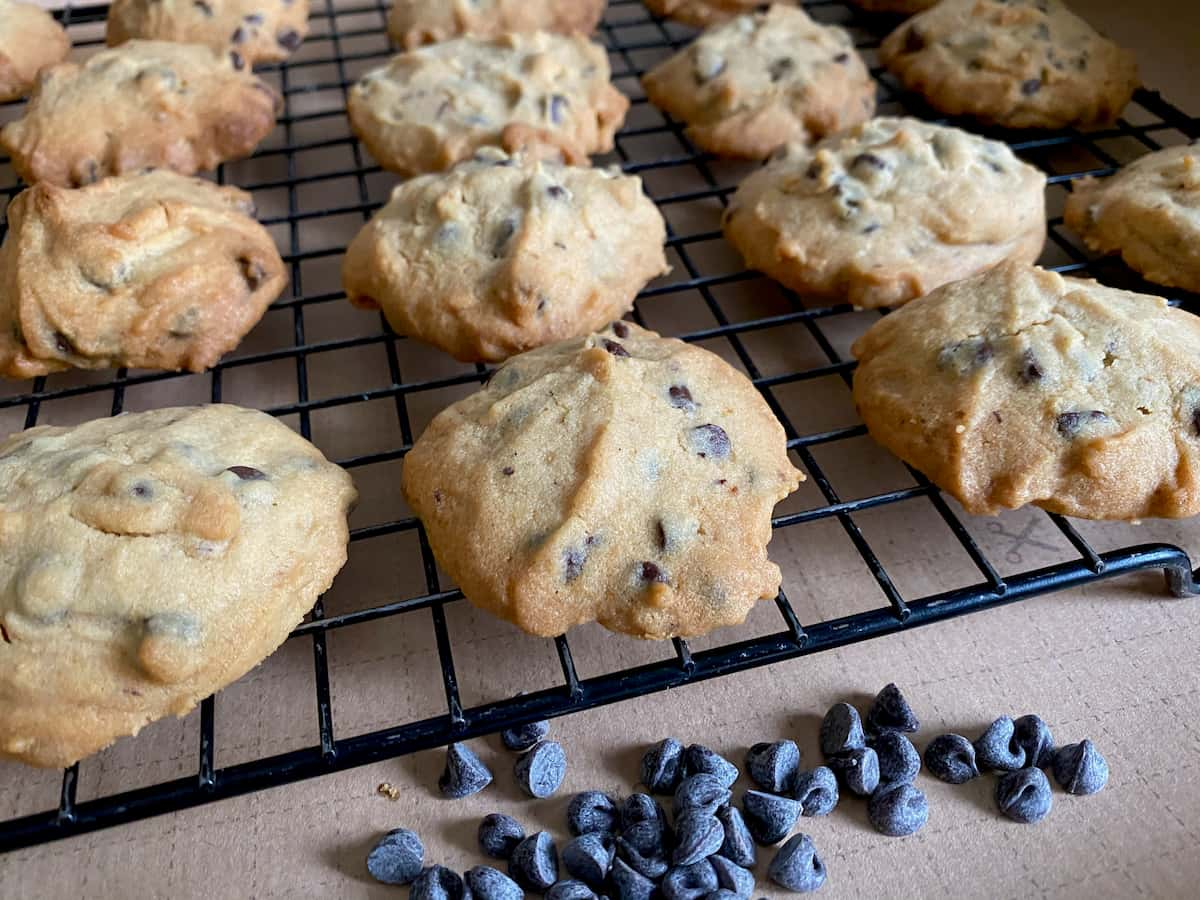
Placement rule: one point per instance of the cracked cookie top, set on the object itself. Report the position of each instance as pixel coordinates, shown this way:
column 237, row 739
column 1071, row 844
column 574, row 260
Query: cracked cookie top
column 30, row 39
column 621, row 477
column 1020, row 386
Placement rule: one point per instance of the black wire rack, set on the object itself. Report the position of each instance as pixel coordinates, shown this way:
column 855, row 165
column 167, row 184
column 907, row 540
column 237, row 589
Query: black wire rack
column 347, row 39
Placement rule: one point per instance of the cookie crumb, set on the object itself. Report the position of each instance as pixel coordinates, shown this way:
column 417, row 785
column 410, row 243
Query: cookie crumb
column 387, row 790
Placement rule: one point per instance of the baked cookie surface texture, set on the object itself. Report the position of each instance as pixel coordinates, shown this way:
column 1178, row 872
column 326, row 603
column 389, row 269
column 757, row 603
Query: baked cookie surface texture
column 144, row 104
column 701, row 13
column 30, row 39
column 621, row 477
column 1014, row 63
column 1149, row 212
column 545, row 94
column 1019, row 386
column 762, row 80
column 149, row 560
column 501, row 254
column 887, row 211
column 154, row 270
column 412, row 23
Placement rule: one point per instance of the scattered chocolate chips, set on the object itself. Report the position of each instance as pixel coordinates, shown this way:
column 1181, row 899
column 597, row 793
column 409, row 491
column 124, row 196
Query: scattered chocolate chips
column 662, row 766
column 614, row 348
column 699, row 759
column 650, row 864
column 1033, row 736
column 288, row 39
column 247, row 473
column 397, row 858
column 899, row 761
column 773, row 766
column 796, row 866
column 898, row 809
column 437, row 883
column 891, row 712
column 522, row 737
column 858, row 770
column 698, row 835
column 540, row 771
column 951, row 758
column 816, row 790
column 709, row 441
column 1024, row 795
column 589, row 857
column 1069, row 424
column 486, row 883
column 592, row 812
column 1079, row 768
column 628, row 884
column 499, row 835
column 534, row 863
column 997, row 747
column 689, row 882
column 841, row 730
column 638, row 808
column 732, row 877
column 769, row 817
column 464, row 775
column 700, row 792
column 570, row 889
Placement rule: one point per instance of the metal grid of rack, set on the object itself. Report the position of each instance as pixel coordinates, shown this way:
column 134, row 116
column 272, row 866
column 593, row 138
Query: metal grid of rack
column 345, row 40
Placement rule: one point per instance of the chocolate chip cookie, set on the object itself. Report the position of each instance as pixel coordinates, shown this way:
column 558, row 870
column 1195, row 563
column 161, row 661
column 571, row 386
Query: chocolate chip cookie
column 143, row 104
column 250, row 31
column 30, row 39
column 412, row 23
column 149, row 560
column 1015, row 63
column 703, row 13
column 543, row 93
column 621, row 477
column 154, row 270
column 501, row 254
column 761, row 80
column 1019, row 386
column 887, row 211
column 1149, row 212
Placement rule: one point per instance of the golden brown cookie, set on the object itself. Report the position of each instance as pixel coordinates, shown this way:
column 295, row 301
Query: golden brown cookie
column 143, row 104
column 1015, row 63
column 155, row 270
column 887, row 211
column 541, row 93
column 702, row 13
column 149, row 560
column 621, row 477
column 1149, row 212
column 500, row 254
column 1019, row 386
column 412, row 23
column 30, row 39
column 250, row 31
column 762, row 80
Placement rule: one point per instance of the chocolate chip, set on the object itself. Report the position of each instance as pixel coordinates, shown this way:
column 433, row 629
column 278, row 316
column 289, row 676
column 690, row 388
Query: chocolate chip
column 769, row 816
column 143, row 490
column 681, row 398
column 643, row 845
column 648, row 572
column 898, row 809
column 204, row 7
column 871, row 229
column 504, row 235
column 1032, row 86
column 966, row 355
column 914, row 41
column 437, row 883
column 89, row 175
column 773, row 766
column 858, row 770
column 620, row 329
column 1031, row 369
column 996, row 747
column 796, row 866
column 700, row 792
column 1195, row 415
column 397, row 858
column 698, row 758
column 570, row 889
column 253, row 18
column 614, row 348
column 252, row 272
column 63, row 343
column 660, row 533
column 842, row 58
column 1033, row 736
column 640, row 808
column 816, row 790
column 814, row 169
column 891, row 712
column 732, row 877
column 689, row 882
column 499, row 835
column 951, row 757
column 556, row 191
column 1071, row 423
column 589, row 857
column 1042, row 32
column 592, row 812
column 1024, row 795
column 627, row 884
column 246, row 473
column 486, row 883
column 464, row 775
column 662, row 766
column 698, row 835
column 540, row 772
column 288, row 39
column 238, row 37
column 558, row 105
column 739, row 843
column 521, row 737
column 781, row 67
column 899, row 761
column 709, row 441
column 870, row 160
column 534, row 863
column 574, row 558
column 1080, row 768
column 238, row 63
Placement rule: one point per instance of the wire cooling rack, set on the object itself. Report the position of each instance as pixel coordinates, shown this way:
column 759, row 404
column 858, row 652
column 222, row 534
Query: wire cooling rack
column 315, row 186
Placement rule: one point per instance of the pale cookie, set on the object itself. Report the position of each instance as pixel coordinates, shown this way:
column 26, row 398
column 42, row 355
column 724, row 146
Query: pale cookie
column 143, row 104
column 887, row 212
column 703, row 13
column 1015, row 63
column 542, row 93
column 903, row 7
column 762, row 80
column 621, row 477
column 250, row 31
column 412, row 23
column 148, row 561
column 500, row 255
column 1149, row 212
column 1019, row 386
column 155, row 271
column 30, row 39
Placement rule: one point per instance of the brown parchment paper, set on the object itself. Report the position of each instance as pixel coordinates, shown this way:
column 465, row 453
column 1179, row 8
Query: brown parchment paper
column 1115, row 662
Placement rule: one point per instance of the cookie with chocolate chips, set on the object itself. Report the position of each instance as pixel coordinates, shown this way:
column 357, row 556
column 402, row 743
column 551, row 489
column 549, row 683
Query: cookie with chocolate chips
column 1014, row 63
column 762, row 80
column 145, row 104
column 503, row 254
column 1149, row 212
column 887, row 211
column 703, row 13
column 153, row 270
column 30, row 39
column 620, row 477
column 149, row 560
column 412, row 23
column 1020, row 386
column 545, row 94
